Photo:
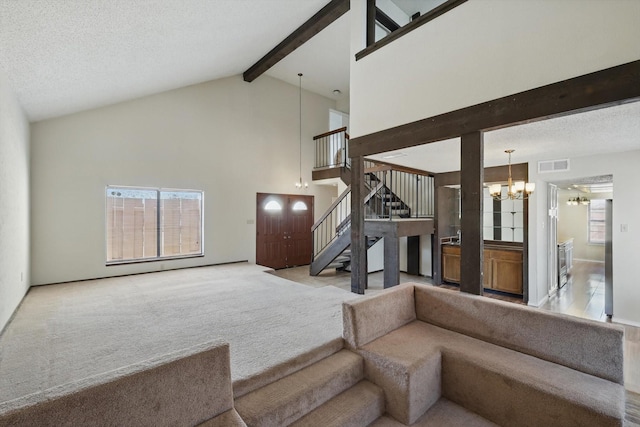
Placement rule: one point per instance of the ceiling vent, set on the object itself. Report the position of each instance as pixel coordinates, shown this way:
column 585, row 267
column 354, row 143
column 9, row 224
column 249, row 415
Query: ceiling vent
column 546, row 166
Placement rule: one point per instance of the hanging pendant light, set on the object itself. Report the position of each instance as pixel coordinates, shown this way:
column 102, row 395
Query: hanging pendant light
column 300, row 184
column 578, row 201
column 515, row 190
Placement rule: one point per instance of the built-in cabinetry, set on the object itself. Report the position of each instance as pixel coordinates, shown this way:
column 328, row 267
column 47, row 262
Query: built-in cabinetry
column 502, row 267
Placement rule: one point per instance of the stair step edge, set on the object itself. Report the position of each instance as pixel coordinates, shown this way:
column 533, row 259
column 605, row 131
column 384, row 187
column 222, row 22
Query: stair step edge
column 358, row 406
column 290, row 398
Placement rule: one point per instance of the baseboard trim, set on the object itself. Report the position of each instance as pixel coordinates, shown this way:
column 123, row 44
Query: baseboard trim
column 540, row 303
column 589, row 260
column 142, row 272
column 625, row 321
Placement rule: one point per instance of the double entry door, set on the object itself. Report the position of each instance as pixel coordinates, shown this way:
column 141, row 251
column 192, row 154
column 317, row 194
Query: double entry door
column 283, row 229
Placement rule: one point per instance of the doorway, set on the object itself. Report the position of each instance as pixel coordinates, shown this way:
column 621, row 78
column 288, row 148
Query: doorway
column 581, row 282
column 283, row 230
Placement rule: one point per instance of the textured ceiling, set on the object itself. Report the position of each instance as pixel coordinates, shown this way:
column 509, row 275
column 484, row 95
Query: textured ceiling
column 63, row 56
column 613, row 129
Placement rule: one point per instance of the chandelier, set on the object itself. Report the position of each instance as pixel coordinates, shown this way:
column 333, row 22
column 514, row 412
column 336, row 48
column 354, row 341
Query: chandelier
column 300, row 184
column 578, row 201
column 515, row 190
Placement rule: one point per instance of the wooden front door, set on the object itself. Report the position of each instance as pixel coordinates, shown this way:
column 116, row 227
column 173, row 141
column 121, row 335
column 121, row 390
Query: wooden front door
column 283, row 229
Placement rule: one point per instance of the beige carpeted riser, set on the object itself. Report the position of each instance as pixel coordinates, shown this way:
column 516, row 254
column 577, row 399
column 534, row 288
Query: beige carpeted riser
column 594, row 348
column 409, row 391
column 405, row 349
column 180, row 389
column 231, row 418
column 366, row 319
column 288, row 399
column 288, row 367
column 358, row 406
column 508, row 401
column 443, row 413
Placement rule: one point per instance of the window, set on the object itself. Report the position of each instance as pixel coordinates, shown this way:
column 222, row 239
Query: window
column 597, row 221
column 137, row 231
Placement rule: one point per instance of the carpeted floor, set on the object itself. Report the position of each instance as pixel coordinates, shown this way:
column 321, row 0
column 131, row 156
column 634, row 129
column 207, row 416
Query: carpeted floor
column 66, row 332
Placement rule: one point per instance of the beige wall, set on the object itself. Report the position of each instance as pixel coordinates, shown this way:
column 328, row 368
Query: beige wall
column 14, row 202
column 226, row 137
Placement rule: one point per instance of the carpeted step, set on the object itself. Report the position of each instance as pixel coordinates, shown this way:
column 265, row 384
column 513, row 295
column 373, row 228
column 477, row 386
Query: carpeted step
column 360, row 405
column 443, row 413
column 272, row 374
column 290, row 398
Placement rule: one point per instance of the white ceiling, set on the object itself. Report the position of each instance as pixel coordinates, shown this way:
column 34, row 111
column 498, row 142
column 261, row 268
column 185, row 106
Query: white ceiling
column 63, row 56
column 613, row 129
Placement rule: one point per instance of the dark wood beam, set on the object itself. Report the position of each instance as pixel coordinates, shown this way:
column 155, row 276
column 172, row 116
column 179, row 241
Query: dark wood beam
column 386, row 21
column 472, row 245
column 519, row 172
column 318, row 22
column 612, row 86
column 359, row 270
column 371, row 22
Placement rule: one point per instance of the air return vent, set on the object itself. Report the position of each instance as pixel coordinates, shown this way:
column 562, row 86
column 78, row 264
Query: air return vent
column 545, row 166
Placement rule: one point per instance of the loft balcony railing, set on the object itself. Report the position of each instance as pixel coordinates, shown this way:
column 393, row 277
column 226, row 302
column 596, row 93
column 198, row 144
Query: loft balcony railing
column 332, row 149
column 396, row 192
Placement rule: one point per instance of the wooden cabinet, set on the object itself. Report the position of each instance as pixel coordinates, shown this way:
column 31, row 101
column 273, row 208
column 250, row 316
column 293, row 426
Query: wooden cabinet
column 451, row 263
column 506, row 266
column 502, row 268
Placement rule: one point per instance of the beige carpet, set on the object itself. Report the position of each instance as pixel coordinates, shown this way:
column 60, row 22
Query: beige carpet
column 66, row 332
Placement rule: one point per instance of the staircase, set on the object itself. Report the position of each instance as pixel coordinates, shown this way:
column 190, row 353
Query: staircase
column 332, row 233
column 331, row 392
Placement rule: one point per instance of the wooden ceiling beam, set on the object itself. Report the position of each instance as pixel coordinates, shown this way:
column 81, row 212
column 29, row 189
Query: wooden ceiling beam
column 612, row 86
column 318, row 22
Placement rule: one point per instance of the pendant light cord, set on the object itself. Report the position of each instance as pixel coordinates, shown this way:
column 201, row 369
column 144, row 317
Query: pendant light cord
column 300, row 120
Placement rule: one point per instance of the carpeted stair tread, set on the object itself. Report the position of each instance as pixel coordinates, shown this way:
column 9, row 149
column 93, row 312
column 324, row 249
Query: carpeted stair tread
column 273, row 373
column 231, row 418
column 358, row 406
column 443, row 413
column 288, row 399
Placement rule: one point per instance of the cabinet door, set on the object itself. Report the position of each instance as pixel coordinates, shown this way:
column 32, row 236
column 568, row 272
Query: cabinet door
column 507, row 275
column 486, row 273
column 451, row 268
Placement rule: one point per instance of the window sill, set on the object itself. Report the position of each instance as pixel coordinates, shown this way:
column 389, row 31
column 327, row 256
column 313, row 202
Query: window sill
column 146, row 260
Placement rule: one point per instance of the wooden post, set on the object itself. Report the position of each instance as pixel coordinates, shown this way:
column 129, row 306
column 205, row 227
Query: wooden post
column 471, row 178
column 358, row 239
column 391, row 261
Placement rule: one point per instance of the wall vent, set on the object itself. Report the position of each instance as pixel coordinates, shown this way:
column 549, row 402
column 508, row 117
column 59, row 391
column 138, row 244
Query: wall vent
column 545, row 166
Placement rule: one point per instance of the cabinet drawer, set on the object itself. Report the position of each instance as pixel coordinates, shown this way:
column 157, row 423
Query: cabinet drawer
column 506, row 255
column 451, row 249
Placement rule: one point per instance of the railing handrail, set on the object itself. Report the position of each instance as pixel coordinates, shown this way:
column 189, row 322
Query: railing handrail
column 399, row 168
column 331, row 208
column 332, row 132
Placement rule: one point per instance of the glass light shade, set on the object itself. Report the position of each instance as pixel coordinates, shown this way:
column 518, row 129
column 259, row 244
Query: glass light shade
column 518, row 186
column 495, row 189
column 530, row 187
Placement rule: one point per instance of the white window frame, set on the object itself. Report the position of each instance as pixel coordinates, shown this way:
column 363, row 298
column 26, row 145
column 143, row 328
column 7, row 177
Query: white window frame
column 592, row 221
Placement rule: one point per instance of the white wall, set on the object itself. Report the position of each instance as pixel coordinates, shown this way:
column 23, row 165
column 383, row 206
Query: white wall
column 626, row 210
column 573, row 223
column 483, row 50
column 14, row 202
column 226, row 137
